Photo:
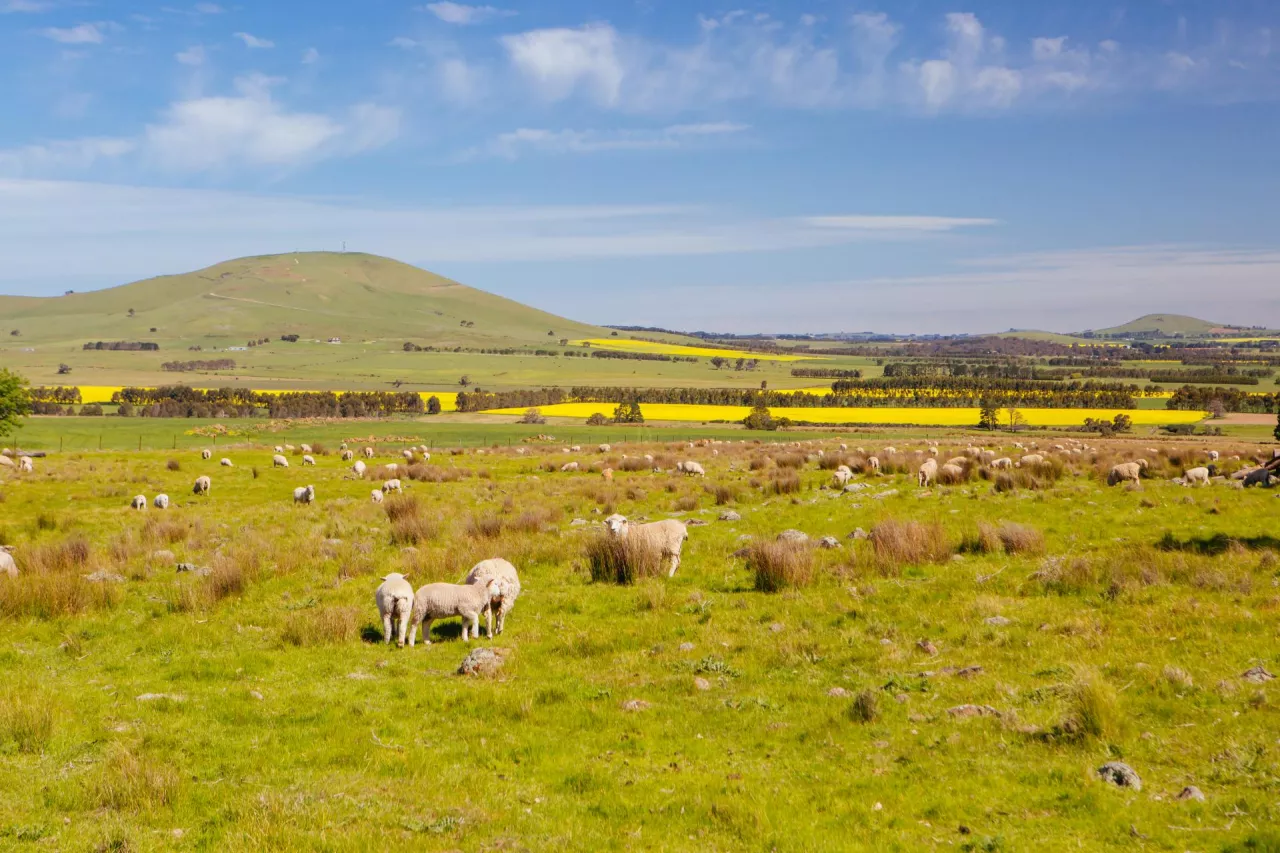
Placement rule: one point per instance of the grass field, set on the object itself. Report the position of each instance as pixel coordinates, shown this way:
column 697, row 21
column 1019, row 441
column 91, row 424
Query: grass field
column 627, row 345
column 939, row 684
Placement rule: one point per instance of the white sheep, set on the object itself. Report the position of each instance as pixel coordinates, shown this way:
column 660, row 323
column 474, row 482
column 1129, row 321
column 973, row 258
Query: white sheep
column 394, row 598
column 279, row 461
column 1003, row 463
column 376, row 496
column 359, row 468
column 288, row 447
column 8, row 567
column 1213, row 456
column 691, row 469
column 508, row 588
column 577, row 448
column 138, row 502
column 569, row 466
column 347, row 456
column 604, row 448
column 889, row 451
column 667, row 536
column 1196, row 476
column 928, row 472
column 392, row 485
column 206, row 454
column 162, row 501
column 368, row 452
column 304, row 494
column 407, row 454
column 5, row 462
column 24, row 464
column 957, row 460
column 225, row 462
column 1126, row 472
column 1031, row 459
column 305, row 448
column 874, row 464
column 342, row 446
column 841, row 476
column 950, row 474
column 279, row 449
column 202, row 486
column 308, row 460
column 442, row 600
column 393, row 467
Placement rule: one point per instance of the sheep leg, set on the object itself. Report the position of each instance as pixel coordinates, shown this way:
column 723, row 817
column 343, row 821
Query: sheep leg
column 426, row 631
column 475, row 626
column 386, row 627
column 405, row 617
column 488, row 613
column 675, row 564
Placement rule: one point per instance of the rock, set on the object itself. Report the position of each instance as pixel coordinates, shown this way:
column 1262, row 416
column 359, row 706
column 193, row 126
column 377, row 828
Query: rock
column 256, row 695
column 186, row 567
column 886, row 494
column 697, row 522
column 1191, row 792
column 973, row 711
column 856, row 487
column 635, row 705
column 997, row 621
column 741, row 552
column 969, row 671
column 829, row 542
column 793, row 536
column 927, row 647
column 686, row 647
column 482, row 661
column 104, row 576
column 777, row 627
column 1257, row 675
column 163, row 556
column 837, row 692
column 1120, row 774
column 578, row 522
column 156, row 697
column 858, row 533
column 701, row 683
column 730, row 515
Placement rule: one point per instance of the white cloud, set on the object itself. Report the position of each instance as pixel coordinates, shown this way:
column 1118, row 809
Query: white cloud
column 310, row 56
column 403, row 42
column 561, row 61
column 252, row 41
column 79, row 34
column 30, row 6
column 62, row 156
column 458, row 13
column 209, row 9
column 194, row 55
column 518, row 142
column 897, row 223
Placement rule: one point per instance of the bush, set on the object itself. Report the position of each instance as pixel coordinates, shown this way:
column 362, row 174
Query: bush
column 612, row 559
column 780, row 565
column 784, row 483
column 173, row 465
column 1008, row 538
column 484, row 526
column 898, row 543
column 865, row 707
column 321, row 626
column 532, row 416
column 91, row 410
column 598, row 419
column 723, row 493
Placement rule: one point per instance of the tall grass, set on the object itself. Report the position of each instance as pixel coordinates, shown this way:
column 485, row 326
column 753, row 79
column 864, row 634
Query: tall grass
column 321, row 626
column 780, row 565
column 895, row 544
column 128, row 780
column 613, row 559
column 26, row 720
column 1007, row 538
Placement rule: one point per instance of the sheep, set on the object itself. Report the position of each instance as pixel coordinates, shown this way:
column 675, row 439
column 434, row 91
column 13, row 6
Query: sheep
column 368, row 452
column 139, row 502
column 569, row 466
column 442, row 600
column 279, row 461
column 1031, row 459
column 604, row 448
column 668, row 536
column 933, row 451
column 304, row 494
column 376, row 496
column 874, row 464
column 890, row 451
column 279, row 448
column 426, row 457
column 577, row 448
column 841, row 476
column 407, row 454
column 24, row 464
column 162, row 501
column 1198, row 476
column 950, row 474
column 288, row 447
column 1258, row 477
column 308, row 460
column 359, row 468
column 202, row 486
column 508, row 585
column 607, row 474
column 928, row 472
column 342, row 446
column 393, row 467
column 305, row 448
column 957, row 460
column 1126, row 472
column 225, row 462
column 347, row 456
column 691, row 469
column 1003, row 463
column 986, row 456
column 1213, row 456
column 7, row 566
column 6, row 462
column 392, row 485
column 206, row 454
column 394, row 598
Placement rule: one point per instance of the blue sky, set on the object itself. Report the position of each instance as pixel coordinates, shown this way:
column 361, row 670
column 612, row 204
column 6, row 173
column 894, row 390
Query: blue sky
column 911, row 166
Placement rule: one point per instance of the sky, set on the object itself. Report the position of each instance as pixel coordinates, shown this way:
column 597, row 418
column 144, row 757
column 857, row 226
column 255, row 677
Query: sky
column 807, row 166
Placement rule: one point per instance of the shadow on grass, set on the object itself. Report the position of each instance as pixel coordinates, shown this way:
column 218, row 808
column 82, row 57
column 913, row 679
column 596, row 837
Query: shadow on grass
column 1218, row 543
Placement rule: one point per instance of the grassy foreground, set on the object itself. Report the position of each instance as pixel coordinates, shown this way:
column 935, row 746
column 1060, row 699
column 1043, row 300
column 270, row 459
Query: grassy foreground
column 255, row 708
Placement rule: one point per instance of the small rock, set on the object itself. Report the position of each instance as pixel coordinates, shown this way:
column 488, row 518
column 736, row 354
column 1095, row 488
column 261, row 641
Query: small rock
column 156, row 697
column 482, row 661
column 998, row 621
column 777, row 627
column 837, row 692
column 1257, row 675
column 256, row 695
column 885, row 641
column 969, row 671
column 856, row 487
column 635, row 705
column 578, row 522
column 730, row 515
column 186, row 567
column 886, row 494
column 686, row 647
column 102, row 575
column 828, row 542
column 1120, row 774
column 793, row 536
column 858, row 533
column 701, row 683
column 973, row 711
column 1191, row 792
column 927, row 647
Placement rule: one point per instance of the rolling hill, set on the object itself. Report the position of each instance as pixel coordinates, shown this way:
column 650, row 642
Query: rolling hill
column 316, row 295
column 1168, row 324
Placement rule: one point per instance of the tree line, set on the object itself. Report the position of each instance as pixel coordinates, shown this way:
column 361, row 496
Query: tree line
column 205, row 364
column 131, row 346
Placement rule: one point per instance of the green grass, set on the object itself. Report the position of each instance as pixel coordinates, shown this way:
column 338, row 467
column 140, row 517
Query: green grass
column 284, row 724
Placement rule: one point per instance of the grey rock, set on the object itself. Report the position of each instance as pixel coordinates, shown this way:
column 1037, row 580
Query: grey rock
column 697, row 522
column 886, row 494
column 686, row 647
column 104, row 576
column 856, row 487
column 858, row 533
column 828, row 542
column 482, row 661
column 578, row 522
column 701, row 683
column 635, row 705
column 1191, row 792
column 1120, row 774
column 793, row 536
column 968, row 710
column 1257, row 675
column 730, row 515
column 998, row 621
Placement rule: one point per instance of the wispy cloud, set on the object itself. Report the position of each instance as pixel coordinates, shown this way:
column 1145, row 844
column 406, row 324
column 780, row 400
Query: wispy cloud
column 209, row 9
column 525, row 140
column 29, row 6
column 310, row 56
column 458, row 13
column 62, row 156
column 252, row 41
column 194, row 55
column 79, row 34
column 897, row 223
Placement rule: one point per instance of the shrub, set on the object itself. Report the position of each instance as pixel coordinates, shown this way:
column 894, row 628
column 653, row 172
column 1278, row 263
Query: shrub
column 50, row 597
column 784, row 483
column 723, row 493
column 484, row 526
column 633, row 463
column 686, row 503
column 897, row 543
column 1092, row 708
column 321, row 626
column 794, row 461
column 128, row 781
column 865, row 707
column 532, row 416
column 780, row 565
column 173, row 465
column 622, row 560
column 58, row 558
column 1007, row 538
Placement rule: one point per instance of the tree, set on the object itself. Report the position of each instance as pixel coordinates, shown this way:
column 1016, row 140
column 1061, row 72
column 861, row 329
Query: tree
column 15, row 402
column 1217, row 409
column 988, row 416
column 64, row 369
column 532, row 416
column 464, row 381
column 760, row 418
column 433, row 405
column 1277, row 432
column 598, row 419
column 628, row 413
column 1016, row 419
column 740, row 364
column 130, row 312
column 717, row 362
column 1122, row 422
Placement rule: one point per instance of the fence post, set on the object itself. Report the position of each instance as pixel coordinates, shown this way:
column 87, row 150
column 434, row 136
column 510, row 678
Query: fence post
column 99, row 441
column 59, row 444
column 139, row 442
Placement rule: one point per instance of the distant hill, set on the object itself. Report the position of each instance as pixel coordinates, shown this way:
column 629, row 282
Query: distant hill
column 316, row 295
column 1168, row 324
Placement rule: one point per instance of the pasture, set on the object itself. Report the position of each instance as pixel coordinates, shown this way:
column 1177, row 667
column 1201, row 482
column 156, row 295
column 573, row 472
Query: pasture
column 952, row 675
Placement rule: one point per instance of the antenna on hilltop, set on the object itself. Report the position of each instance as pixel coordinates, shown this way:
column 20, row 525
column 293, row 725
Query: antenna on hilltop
column 344, row 245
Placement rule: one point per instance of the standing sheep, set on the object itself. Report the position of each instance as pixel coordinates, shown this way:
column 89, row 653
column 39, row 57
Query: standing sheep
column 667, row 536
column 691, row 469
column 392, row 485
column 279, row 448
column 225, row 462
column 308, row 460
column 508, row 588
column 1196, row 476
column 304, row 494
column 368, row 452
column 359, row 468
column 607, row 474
column 279, row 461
column 604, row 448
column 874, row 464
column 376, row 496
column 1031, row 459
column 408, row 455
column 1003, row 463
column 1126, row 472
column 928, row 472
column 347, row 456
column 442, row 600
column 202, row 486
column 139, row 502
column 206, row 454
column 841, row 476
column 25, row 465
column 8, row 567
column 305, row 448
column 162, row 501
column 569, row 466
column 1213, row 456
column 395, row 602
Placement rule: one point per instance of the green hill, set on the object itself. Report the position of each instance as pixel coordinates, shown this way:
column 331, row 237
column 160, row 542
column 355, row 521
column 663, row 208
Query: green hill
column 1167, row 324
column 316, row 295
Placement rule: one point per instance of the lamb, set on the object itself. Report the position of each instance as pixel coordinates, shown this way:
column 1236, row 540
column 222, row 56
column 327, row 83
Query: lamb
column 279, row 449
column 607, row 474
column 7, row 566
column 874, row 464
column 359, row 468
column 392, row 467
column 691, row 469
column 408, row 455
column 376, row 496
column 1213, row 456
column 508, row 588
column 279, row 461
column 1198, row 476
column 6, row 462
column 1126, row 472
column 394, row 598
column 138, row 502
column 928, row 472
column 225, row 462
column 1032, row 459
column 604, row 448
column 308, row 460
column 203, row 484
column 206, row 454
column 957, row 460
column 162, row 501
column 1003, row 463
column 24, row 464
column 668, row 536
column 841, row 476
column 304, row 494
column 442, row 600
column 305, row 448
column 569, row 466
column 392, row 485
column 347, row 456
column 368, row 452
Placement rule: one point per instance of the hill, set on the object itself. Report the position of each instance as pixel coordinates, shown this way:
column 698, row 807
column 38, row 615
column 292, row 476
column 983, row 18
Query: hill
column 315, row 295
column 1167, row 324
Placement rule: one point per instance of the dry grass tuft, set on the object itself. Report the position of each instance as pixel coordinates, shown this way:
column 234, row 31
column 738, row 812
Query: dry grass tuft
column 26, row 721
column 173, row 465
column 321, row 626
column 1007, row 538
column 486, row 526
column 611, row 559
column 895, row 544
column 865, row 707
column 780, row 565
column 130, row 781
column 724, row 493
column 784, row 483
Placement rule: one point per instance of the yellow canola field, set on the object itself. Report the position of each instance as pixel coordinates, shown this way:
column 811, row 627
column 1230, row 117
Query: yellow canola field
column 102, row 394
column 625, row 345
column 868, row 415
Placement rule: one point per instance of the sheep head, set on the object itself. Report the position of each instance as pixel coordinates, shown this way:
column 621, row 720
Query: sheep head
column 617, row 524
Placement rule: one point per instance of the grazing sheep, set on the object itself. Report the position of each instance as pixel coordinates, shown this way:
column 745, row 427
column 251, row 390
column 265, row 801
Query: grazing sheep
column 6, row 462
column 279, row 448
column 604, row 448
column 206, row 454
column 288, row 447
column 1031, row 459
column 304, row 494
column 394, row 598
column 607, row 474
column 577, row 448
column 279, row 461
column 138, row 502
column 668, row 536
column 359, row 468
column 376, row 496
column 1258, row 477
column 950, row 474
column 1213, row 456
column 1126, row 472
column 342, row 446
column 8, row 567
column 441, row 600
column 691, row 469
column 1196, row 476
column 1003, row 463
column 508, row 588
column 841, row 476
column 391, row 486
column 305, row 448
column 162, row 501
column 986, row 457
column 928, row 472
column 203, row 484
column 874, row 464
column 368, row 452
column 426, row 457
column 347, row 456
column 24, row 464
column 890, row 451
column 569, row 466
column 308, row 460
column 957, row 460
column 407, row 454
column 933, row 451
column 393, row 467
column 225, row 462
